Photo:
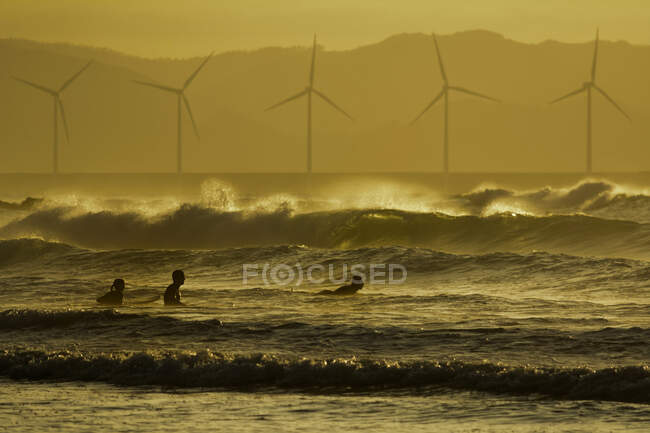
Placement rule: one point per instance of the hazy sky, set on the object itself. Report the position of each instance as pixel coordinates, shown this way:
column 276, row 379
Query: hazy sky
column 180, row 28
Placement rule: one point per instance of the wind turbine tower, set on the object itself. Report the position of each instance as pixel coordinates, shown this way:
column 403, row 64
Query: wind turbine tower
column 444, row 93
column 181, row 99
column 310, row 91
column 58, row 105
column 588, row 87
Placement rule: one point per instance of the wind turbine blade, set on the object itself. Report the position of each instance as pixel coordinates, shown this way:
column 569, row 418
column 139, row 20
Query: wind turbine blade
column 74, row 77
column 304, row 92
column 431, row 104
column 65, row 122
column 602, row 92
column 329, row 101
column 593, row 67
column 157, row 86
column 568, row 95
column 37, row 86
column 442, row 66
column 189, row 111
column 471, row 92
column 195, row 73
column 313, row 64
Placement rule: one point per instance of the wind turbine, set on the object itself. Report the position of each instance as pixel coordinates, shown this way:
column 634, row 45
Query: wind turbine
column 444, row 93
column 587, row 86
column 58, row 104
column 309, row 91
column 181, row 98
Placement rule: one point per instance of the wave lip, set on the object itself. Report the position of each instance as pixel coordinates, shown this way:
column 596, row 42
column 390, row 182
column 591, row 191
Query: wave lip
column 211, row 370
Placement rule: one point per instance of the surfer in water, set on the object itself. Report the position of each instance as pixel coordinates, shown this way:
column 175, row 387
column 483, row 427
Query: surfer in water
column 173, row 292
column 115, row 296
column 355, row 285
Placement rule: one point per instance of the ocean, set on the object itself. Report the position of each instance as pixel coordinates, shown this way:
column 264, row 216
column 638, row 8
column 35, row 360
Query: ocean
column 514, row 309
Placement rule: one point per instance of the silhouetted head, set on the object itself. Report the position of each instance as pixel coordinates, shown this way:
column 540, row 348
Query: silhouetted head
column 357, row 280
column 118, row 285
column 178, row 276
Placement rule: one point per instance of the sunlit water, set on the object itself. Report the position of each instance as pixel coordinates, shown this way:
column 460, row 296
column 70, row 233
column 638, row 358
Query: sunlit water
column 89, row 407
column 522, row 311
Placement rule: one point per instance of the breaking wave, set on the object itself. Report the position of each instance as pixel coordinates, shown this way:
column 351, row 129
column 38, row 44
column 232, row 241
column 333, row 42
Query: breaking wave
column 591, row 218
column 195, row 227
column 27, row 204
column 213, row 370
column 593, row 197
column 110, row 328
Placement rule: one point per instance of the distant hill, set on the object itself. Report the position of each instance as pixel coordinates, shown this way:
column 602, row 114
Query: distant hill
column 118, row 126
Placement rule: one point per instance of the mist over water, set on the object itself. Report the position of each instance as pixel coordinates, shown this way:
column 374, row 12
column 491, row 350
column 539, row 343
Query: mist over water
column 590, row 218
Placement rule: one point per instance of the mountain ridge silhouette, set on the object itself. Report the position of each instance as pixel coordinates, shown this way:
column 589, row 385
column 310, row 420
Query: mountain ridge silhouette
column 115, row 126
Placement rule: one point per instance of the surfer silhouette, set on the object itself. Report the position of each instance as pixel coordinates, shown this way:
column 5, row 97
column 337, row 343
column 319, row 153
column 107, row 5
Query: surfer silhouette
column 355, row 285
column 173, row 292
column 115, row 296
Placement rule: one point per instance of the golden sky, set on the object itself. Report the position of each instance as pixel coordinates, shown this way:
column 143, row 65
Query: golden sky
column 180, row 28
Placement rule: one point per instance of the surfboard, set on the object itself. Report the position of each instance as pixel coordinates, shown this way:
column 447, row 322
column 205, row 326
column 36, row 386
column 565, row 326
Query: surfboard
column 141, row 301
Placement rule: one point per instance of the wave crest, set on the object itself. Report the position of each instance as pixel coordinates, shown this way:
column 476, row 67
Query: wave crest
column 594, row 197
column 591, row 218
column 196, row 227
column 26, row 250
column 207, row 369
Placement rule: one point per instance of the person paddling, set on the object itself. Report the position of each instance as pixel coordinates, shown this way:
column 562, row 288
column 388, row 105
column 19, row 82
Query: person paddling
column 115, row 296
column 173, row 292
column 355, row 285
